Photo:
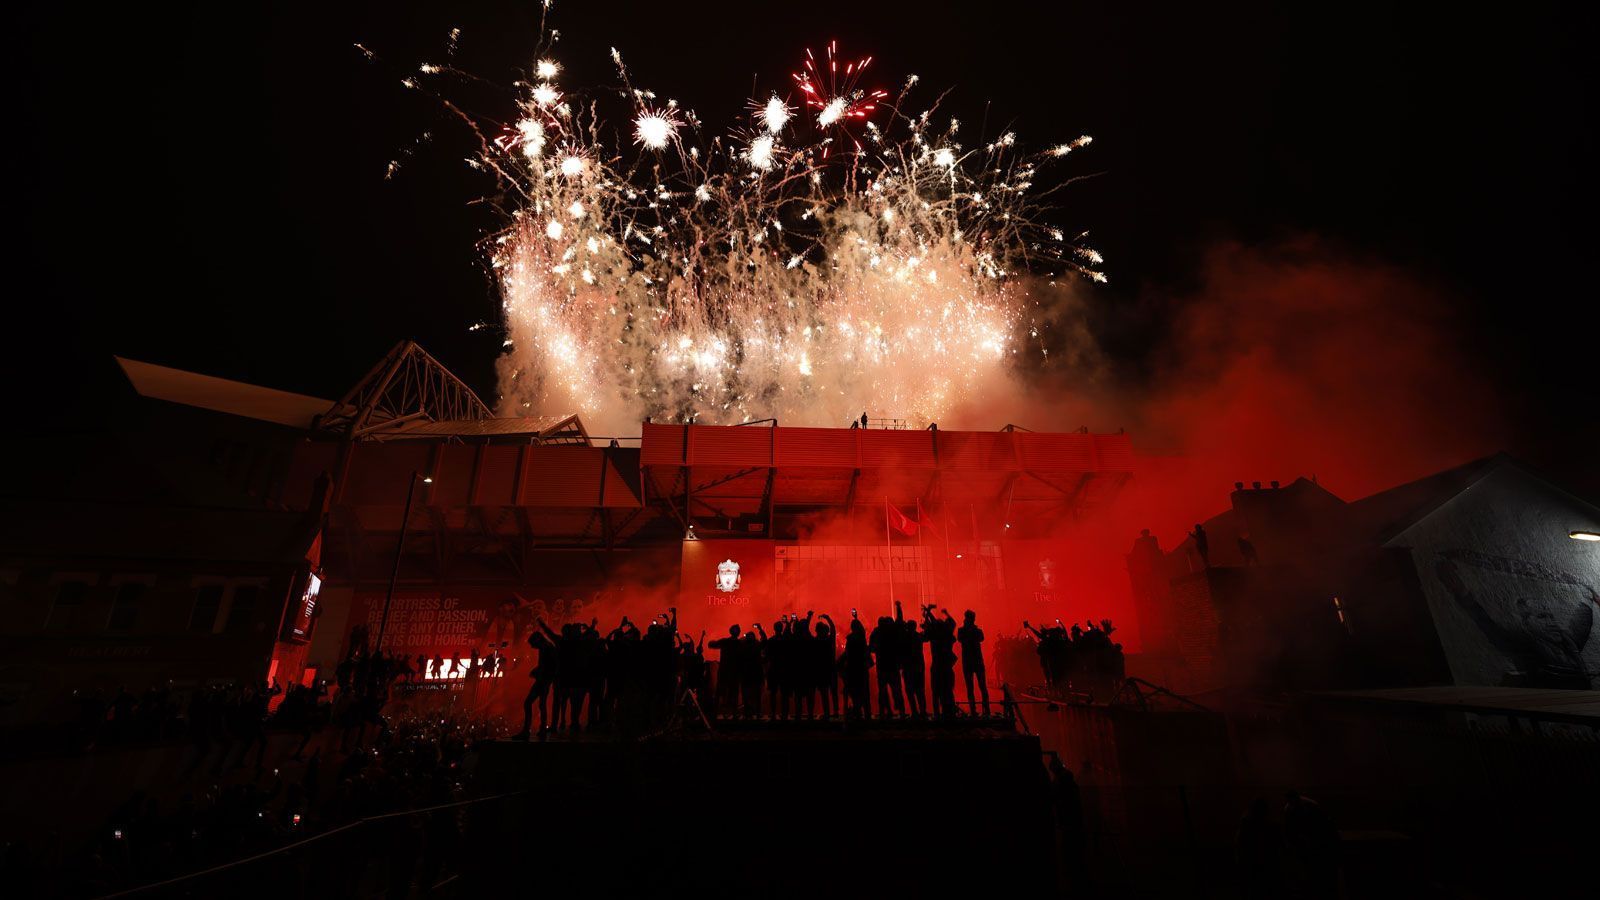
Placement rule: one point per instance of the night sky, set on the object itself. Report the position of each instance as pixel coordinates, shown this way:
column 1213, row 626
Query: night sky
column 203, row 187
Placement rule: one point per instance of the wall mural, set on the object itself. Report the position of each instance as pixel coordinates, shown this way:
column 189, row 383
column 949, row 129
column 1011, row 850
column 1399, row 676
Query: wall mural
column 1541, row 620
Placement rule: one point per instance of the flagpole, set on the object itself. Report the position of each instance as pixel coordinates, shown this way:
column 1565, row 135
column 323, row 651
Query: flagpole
column 949, row 578
column 888, row 550
column 922, row 574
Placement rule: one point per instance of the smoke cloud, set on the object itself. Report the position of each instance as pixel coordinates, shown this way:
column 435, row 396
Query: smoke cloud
column 1291, row 359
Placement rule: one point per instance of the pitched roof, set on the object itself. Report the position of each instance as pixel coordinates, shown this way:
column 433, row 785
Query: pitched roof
column 1387, row 513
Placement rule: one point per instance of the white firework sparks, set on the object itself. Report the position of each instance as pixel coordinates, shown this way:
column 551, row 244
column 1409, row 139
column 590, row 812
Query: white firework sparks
column 573, row 165
column 654, row 129
column 761, row 151
column 775, row 114
column 532, row 137
column 832, row 112
column 794, row 272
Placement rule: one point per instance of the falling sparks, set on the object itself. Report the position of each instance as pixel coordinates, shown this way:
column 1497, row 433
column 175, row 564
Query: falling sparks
column 808, row 268
column 1068, row 147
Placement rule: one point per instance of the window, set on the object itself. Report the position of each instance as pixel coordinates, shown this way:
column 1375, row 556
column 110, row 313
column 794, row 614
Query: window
column 68, row 606
column 125, row 606
column 207, row 600
column 241, row 615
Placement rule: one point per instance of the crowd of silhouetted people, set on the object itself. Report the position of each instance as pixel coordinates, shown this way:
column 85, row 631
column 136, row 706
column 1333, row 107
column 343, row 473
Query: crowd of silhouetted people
column 1079, row 659
column 634, row 678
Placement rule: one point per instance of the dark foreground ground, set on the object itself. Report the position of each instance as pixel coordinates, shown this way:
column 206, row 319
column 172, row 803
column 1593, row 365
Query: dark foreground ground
column 880, row 809
column 785, row 811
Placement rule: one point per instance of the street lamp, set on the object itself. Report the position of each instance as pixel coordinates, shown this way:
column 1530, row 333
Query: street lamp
column 1584, row 535
column 394, row 574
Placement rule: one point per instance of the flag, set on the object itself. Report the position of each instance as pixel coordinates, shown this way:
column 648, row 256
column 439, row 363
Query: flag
column 900, row 522
column 923, row 520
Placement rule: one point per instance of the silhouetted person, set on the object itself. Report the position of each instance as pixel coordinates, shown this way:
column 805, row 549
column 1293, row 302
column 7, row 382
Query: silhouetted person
column 1258, row 850
column 543, row 675
column 913, row 666
column 823, row 666
column 885, row 641
column 863, row 420
column 970, row 636
column 803, row 681
column 729, row 676
column 1247, row 551
column 692, row 666
column 1202, row 545
column 750, row 669
column 856, row 662
column 941, row 632
column 775, row 664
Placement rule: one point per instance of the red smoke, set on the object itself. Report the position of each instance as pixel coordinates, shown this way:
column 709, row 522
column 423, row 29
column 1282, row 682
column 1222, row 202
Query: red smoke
column 1296, row 360
column 1287, row 360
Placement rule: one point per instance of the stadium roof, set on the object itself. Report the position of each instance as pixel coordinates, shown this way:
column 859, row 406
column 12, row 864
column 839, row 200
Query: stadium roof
column 538, row 429
column 234, row 398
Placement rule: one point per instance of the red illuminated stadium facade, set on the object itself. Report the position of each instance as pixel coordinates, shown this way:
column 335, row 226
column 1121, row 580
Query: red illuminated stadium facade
column 514, row 519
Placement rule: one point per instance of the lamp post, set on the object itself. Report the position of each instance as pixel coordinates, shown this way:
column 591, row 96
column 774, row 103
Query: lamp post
column 399, row 550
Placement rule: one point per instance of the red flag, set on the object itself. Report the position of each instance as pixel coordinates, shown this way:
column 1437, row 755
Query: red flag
column 900, row 522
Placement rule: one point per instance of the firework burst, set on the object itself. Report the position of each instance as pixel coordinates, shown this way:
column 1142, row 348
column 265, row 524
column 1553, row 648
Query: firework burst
column 834, row 92
column 772, row 272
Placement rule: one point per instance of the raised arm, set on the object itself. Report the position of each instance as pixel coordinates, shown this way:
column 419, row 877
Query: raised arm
column 549, row 632
column 1035, row 631
column 899, row 616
